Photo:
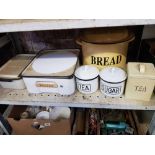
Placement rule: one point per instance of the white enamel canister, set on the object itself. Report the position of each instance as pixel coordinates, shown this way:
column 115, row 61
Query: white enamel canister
column 87, row 79
column 112, row 81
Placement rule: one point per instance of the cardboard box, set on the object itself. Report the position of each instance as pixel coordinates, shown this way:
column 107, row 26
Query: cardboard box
column 26, row 126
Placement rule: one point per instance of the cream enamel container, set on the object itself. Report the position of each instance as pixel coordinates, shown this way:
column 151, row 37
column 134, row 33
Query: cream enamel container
column 112, row 81
column 105, row 47
column 141, row 81
column 87, row 79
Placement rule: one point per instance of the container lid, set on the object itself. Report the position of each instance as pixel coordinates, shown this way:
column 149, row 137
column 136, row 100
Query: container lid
column 113, row 74
column 53, row 63
column 86, row 72
column 106, row 35
column 14, row 67
column 141, row 70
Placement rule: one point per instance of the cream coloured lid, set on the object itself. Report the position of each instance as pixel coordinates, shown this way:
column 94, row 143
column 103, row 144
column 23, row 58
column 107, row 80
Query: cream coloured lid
column 86, row 72
column 106, row 35
column 113, row 74
column 141, row 70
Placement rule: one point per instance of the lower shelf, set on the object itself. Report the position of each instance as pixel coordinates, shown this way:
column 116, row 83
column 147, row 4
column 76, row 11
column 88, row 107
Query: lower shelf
column 95, row 100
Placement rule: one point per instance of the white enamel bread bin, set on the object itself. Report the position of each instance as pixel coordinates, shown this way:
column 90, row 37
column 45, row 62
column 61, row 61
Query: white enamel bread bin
column 52, row 71
column 10, row 72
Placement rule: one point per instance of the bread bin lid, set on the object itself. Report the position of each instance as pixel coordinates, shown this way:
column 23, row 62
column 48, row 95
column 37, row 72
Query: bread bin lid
column 53, row 64
column 141, row 70
column 106, row 35
column 86, row 72
column 113, row 74
column 14, row 67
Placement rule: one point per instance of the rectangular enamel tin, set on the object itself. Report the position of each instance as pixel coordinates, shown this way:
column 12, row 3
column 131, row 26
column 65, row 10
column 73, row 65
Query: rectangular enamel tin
column 62, row 83
column 10, row 72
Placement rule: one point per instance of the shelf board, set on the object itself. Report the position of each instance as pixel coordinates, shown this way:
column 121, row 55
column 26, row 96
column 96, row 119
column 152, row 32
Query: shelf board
column 95, row 100
column 17, row 25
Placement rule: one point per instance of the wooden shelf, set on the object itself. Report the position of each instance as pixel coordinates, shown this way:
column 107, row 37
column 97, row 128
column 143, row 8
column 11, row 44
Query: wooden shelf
column 17, row 25
column 95, row 100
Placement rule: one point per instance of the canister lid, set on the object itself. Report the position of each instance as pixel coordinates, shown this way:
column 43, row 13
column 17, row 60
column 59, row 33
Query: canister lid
column 106, row 35
column 57, row 65
column 113, row 74
column 141, row 70
column 86, row 72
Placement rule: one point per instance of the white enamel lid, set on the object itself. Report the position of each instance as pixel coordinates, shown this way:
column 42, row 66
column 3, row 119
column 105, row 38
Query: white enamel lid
column 86, row 72
column 113, row 74
column 54, row 62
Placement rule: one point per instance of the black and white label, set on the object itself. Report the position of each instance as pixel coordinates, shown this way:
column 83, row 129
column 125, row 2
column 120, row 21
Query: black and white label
column 111, row 89
column 84, row 87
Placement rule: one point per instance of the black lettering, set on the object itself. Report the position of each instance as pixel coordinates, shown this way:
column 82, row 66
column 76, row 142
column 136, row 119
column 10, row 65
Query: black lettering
column 119, row 58
column 145, row 89
column 93, row 60
column 83, row 86
column 117, row 90
column 140, row 88
column 106, row 61
column 112, row 61
column 112, row 90
column 99, row 61
column 87, row 88
column 136, row 88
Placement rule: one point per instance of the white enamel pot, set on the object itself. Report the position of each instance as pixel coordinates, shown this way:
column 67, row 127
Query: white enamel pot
column 87, row 79
column 112, row 81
